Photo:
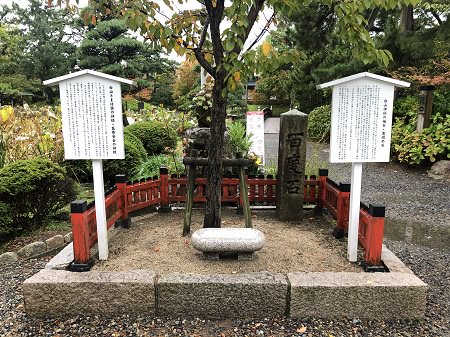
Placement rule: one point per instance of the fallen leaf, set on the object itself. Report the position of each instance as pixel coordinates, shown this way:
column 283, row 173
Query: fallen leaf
column 302, row 329
column 156, row 249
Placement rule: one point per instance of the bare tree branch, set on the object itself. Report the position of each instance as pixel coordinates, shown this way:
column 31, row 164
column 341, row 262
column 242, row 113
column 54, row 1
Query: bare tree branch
column 199, row 56
column 371, row 19
column 436, row 16
column 204, row 32
column 252, row 16
column 261, row 33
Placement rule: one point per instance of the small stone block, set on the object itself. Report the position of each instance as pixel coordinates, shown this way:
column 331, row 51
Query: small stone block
column 8, row 258
column 54, row 242
column 32, row 249
column 246, row 256
column 68, row 237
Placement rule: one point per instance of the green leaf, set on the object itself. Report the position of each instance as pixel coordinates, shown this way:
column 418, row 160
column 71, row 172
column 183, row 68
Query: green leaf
column 229, row 45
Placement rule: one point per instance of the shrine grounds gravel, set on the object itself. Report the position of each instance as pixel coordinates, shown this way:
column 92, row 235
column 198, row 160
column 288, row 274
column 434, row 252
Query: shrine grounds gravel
column 302, row 246
column 431, row 265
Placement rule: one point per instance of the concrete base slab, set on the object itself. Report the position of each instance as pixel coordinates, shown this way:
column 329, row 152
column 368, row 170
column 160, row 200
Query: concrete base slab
column 58, row 293
column 222, row 295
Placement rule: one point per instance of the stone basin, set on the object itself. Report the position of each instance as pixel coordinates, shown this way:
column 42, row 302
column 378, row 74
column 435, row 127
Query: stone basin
column 228, row 240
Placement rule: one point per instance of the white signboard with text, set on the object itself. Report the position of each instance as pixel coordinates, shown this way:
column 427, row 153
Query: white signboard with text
column 255, row 126
column 361, row 121
column 92, row 118
column 91, row 104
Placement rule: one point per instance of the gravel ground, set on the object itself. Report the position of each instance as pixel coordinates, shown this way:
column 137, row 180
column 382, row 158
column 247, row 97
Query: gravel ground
column 290, row 246
column 412, row 198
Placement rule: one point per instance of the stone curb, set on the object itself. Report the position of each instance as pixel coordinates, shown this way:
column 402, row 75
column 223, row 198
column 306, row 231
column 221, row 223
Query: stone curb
column 222, row 295
column 59, row 293
column 36, row 249
column 398, row 294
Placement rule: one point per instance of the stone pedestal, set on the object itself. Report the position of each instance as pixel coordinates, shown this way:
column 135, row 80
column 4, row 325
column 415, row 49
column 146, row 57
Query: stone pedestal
column 291, row 165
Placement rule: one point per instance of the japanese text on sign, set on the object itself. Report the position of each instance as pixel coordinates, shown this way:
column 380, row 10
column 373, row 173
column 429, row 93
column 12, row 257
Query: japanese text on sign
column 92, row 118
column 361, row 122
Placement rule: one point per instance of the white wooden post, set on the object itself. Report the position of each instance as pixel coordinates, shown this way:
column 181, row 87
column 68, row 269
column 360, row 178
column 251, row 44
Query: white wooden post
column 353, row 223
column 100, row 210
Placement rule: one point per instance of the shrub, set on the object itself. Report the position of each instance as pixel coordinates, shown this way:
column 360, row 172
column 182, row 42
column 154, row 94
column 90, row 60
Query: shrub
column 150, row 167
column 6, row 228
column 33, row 190
column 154, row 136
column 238, row 140
column 319, row 123
column 406, row 107
column 135, row 155
column 412, row 147
column 80, row 170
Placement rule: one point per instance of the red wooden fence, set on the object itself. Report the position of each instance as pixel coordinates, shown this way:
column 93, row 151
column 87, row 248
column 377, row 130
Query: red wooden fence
column 336, row 198
column 129, row 196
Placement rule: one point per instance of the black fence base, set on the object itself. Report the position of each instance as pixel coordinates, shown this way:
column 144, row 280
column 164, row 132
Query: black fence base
column 123, row 223
column 373, row 269
column 338, row 233
column 164, row 209
column 81, row 267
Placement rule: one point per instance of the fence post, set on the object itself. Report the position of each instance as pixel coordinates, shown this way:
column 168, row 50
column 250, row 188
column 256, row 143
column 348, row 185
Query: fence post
column 342, row 210
column 374, row 238
column 164, row 207
column 80, row 232
column 121, row 183
column 323, row 174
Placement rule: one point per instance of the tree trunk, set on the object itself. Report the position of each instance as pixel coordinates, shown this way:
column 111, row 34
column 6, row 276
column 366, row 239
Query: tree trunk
column 407, row 19
column 215, row 154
